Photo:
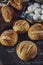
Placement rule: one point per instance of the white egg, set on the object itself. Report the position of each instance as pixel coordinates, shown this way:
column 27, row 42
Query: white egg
column 42, row 17
column 31, row 14
column 31, row 8
column 42, row 11
column 36, row 17
column 42, row 6
column 37, row 11
column 37, row 5
column 26, row 12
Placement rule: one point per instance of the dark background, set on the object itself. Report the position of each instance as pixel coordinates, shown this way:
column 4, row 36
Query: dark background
column 8, row 54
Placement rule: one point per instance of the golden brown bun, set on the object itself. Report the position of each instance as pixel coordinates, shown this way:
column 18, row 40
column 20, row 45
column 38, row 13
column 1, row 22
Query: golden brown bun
column 9, row 38
column 26, row 50
column 21, row 26
column 7, row 13
column 16, row 4
column 36, row 32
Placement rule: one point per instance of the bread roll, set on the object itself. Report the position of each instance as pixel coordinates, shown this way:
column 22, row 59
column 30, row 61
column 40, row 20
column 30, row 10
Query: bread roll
column 16, row 4
column 9, row 38
column 36, row 32
column 7, row 13
column 21, row 26
column 26, row 50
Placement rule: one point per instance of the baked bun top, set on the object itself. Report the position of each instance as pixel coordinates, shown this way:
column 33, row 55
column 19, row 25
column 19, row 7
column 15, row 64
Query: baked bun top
column 26, row 50
column 36, row 32
column 9, row 38
column 21, row 26
column 7, row 13
column 16, row 4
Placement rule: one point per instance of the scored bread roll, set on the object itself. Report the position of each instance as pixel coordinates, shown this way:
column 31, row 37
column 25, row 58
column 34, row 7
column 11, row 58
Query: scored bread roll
column 7, row 13
column 21, row 26
column 36, row 32
column 16, row 4
column 9, row 38
column 26, row 50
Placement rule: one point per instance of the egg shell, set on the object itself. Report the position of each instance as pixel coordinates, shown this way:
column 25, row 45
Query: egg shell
column 37, row 5
column 42, row 17
column 31, row 8
column 31, row 14
column 26, row 12
column 42, row 11
column 42, row 6
column 36, row 17
column 37, row 11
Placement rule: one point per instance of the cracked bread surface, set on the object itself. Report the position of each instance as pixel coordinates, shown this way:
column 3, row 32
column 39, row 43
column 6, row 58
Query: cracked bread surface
column 9, row 38
column 16, row 4
column 7, row 13
column 36, row 32
column 21, row 26
column 26, row 50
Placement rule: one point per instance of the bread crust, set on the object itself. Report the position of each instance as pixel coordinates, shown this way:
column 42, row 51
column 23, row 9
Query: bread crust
column 9, row 38
column 16, row 4
column 7, row 13
column 26, row 50
column 21, row 26
column 36, row 32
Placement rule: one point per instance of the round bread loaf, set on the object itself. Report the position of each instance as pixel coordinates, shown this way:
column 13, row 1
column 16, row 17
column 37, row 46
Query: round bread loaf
column 9, row 38
column 21, row 26
column 26, row 50
column 36, row 32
